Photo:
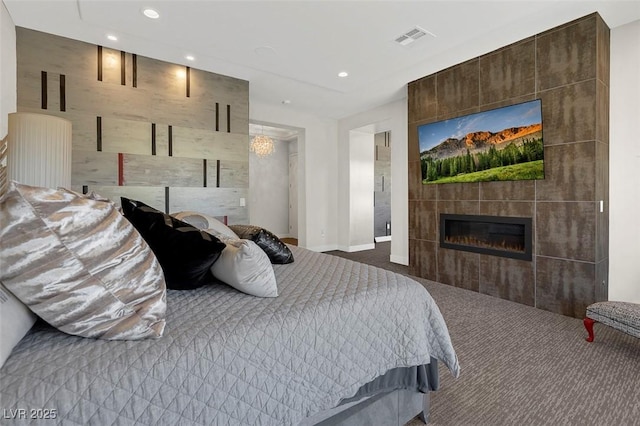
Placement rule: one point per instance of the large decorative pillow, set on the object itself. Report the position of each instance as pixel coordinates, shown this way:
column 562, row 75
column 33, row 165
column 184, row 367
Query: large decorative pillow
column 203, row 221
column 277, row 251
column 15, row 321
column 79, row 265
column 185, row 253
column 245, row 266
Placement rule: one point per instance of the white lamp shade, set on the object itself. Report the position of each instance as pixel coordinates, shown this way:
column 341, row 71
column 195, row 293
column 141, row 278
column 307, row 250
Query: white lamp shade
column 39, row 150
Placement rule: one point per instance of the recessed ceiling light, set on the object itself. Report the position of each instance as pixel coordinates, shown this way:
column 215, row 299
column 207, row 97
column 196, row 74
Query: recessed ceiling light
column 112, row 37
column 343, row 74
column 190, row 58
column 151, row 14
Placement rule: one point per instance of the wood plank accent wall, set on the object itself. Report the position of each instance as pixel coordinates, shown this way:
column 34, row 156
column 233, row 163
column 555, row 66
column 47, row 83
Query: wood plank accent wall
column 568, row 69
column 174, row 137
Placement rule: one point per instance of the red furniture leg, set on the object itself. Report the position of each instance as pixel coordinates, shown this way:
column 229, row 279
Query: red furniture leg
column 588, row 324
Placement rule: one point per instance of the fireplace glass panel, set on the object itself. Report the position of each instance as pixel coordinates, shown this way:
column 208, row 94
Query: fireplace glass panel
column 499, row 236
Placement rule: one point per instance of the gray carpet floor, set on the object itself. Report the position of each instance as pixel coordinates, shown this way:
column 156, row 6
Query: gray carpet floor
column 525, row 366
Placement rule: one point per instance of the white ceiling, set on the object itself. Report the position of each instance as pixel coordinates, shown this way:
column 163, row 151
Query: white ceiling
column 285, row 135
column 293, row 50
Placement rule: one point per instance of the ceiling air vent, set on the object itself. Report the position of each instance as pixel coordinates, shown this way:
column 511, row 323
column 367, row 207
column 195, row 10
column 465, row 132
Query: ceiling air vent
column 412, row 35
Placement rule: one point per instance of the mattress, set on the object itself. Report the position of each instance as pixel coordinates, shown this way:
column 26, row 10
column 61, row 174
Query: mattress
column 227, row 358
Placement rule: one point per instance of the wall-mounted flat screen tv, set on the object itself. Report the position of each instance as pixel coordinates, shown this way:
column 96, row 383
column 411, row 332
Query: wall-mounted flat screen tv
column 495, row 145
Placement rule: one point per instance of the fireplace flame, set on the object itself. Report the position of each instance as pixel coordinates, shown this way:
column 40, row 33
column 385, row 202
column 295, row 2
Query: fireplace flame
column 468, row 240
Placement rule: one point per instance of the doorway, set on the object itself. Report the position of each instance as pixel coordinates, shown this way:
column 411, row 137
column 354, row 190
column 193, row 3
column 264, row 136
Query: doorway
column 382, row 189
column 273, row 182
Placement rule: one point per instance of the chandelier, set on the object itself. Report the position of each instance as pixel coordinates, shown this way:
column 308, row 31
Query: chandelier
column 262, row 145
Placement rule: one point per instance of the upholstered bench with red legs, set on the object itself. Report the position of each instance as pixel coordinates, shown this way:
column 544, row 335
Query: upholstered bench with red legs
column 623, row 316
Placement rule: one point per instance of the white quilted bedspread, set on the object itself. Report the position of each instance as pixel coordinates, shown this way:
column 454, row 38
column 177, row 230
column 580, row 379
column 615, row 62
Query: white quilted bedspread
column 229, row 359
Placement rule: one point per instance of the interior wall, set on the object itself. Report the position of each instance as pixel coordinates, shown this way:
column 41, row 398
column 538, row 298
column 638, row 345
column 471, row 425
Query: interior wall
column 171, row 136
column 568, row 69
column 382, row 189
column 361, row 188
column 293, row 188
column 8, row 84
column 624, row 245
column 269, row 189
column 391, row 117
column 318, row 183
column 624, row 276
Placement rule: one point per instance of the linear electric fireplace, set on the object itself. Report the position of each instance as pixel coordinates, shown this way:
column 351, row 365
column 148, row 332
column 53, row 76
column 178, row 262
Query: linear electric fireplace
column 494, row 235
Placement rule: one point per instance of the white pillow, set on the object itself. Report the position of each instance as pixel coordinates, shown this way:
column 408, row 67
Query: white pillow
column 246, row 267
column 15, row 321
column 203, row 221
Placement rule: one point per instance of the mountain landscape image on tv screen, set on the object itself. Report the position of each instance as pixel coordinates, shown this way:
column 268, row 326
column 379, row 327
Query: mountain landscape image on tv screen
column 497, row 145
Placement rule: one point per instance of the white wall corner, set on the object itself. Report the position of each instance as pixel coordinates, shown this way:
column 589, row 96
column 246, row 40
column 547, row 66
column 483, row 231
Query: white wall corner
column 399, row 260
column 317, row 171
column 624, row 153
column 391, row 117
column 360, row 247
column 324, row 248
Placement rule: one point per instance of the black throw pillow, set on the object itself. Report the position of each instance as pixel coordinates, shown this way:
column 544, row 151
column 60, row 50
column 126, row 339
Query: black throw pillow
column 184, row 252
column 276, row 250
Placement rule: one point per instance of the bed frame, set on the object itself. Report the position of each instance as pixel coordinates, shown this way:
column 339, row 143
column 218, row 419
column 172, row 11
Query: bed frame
column 391, row 408
column 391, row 399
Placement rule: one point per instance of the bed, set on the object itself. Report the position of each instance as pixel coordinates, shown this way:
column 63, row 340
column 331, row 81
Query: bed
column 340, row 337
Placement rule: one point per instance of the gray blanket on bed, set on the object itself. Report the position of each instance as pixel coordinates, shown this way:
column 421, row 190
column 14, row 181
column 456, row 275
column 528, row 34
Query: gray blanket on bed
column 227, row 358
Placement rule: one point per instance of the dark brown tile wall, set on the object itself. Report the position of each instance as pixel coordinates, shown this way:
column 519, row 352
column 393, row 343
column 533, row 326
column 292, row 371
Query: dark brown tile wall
column 569, row 171
column 508, row 73
column 422, row 99
column 457, row 88
column 565, row 286
column 508, row 190
column 459, row 268
column 508, row 208
column 424, row 222
column 566, row 229
column 569, row 113
column 568, row 69
column 602, row 282
column 509, row 279
column 602, row 110
column 603, row 40
column 568, row 54
column 423, row 259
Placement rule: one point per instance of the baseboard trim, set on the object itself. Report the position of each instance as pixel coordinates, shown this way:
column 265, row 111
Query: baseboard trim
column 360, row 247
column 382, row 239
column 323, row 248
column 402, row 260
